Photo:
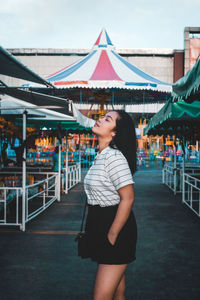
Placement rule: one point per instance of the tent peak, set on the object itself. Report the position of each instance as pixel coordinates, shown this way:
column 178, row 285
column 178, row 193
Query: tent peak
column 103, row 40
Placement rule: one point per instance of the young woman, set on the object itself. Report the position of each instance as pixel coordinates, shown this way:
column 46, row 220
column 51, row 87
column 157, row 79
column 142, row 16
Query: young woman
column 111, row 228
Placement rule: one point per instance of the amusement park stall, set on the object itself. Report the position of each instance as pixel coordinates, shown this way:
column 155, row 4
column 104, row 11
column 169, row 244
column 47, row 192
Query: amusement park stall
column 181, row 117
column 29, row 187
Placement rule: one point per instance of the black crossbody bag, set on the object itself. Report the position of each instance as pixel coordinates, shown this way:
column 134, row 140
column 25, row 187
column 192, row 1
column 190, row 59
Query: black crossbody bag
column 81, row 238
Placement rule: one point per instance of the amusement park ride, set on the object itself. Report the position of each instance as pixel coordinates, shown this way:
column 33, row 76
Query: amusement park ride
column 101, row 99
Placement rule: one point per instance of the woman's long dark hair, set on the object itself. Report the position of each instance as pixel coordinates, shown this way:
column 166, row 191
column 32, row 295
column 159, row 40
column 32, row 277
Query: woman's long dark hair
column 125, row 138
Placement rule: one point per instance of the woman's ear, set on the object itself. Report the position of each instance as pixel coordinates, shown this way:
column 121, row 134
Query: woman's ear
column 113, row 133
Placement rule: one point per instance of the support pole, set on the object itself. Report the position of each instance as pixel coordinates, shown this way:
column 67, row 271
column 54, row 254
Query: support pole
column 59, row 169
column 175, row 166
column 183, row 172
column 143, row 101
column 66, row 165
column 24, row 174
column 79, row 161
column 113, row 99
column 81, row 96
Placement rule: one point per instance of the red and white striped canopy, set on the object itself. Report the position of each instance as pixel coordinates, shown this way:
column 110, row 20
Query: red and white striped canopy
column 104, row 68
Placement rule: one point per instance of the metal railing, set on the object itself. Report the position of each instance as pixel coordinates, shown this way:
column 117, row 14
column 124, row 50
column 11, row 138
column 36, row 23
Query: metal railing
column 42, row 193
column 191, row 192
column 71, row 176
column 172, row 177
column 38, row 197
column 10, row 195
column 148, row 162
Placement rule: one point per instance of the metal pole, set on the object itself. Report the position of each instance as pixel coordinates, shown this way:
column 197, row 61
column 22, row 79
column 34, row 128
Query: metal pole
column 59, row 168
column 79, row 160
column 81, row 96
column 113, row 99
column 24, row 175
column 175, row 164
column 66, row 165
column 183, row 173
column 143, row 101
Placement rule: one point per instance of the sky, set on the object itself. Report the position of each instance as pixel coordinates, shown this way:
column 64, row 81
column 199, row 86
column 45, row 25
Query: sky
column 77, row 23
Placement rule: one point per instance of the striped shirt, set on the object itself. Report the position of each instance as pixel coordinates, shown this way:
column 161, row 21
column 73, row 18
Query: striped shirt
column 110, row 172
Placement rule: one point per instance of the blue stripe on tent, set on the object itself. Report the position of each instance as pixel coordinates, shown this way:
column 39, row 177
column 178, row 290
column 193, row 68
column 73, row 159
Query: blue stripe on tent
column 138, row 71
column 141, row 84
column 108, row 39
column 72, row 69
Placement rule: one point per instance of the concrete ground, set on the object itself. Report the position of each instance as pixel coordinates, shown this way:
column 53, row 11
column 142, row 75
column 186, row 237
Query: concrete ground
column 42, row 263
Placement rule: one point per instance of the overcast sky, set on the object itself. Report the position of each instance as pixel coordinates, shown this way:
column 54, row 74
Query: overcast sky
column 77, row 23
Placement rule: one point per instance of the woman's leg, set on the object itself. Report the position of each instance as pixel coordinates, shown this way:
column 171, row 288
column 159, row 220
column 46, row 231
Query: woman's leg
column 108, row 278
column 120, row 291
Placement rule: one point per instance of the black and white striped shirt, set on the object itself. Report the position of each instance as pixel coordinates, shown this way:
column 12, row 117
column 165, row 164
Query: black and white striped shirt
column 110, row 172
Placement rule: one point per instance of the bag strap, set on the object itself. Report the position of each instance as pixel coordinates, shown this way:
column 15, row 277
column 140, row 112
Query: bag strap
column 83, row 217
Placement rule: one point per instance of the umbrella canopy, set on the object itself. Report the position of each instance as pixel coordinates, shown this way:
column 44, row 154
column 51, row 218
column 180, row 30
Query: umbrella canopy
column 178, row 118
column 39, row 117
column 38, row 99
column 188, row 87
column 103, row 68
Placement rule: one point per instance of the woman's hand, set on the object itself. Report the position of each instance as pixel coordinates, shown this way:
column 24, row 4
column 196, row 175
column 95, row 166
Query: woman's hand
column 112, row 237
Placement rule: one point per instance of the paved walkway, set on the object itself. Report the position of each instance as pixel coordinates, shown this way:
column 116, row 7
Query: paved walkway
column 42, row 264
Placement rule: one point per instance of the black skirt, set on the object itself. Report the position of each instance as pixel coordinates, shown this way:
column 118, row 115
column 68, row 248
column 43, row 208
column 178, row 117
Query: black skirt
column 98, row 223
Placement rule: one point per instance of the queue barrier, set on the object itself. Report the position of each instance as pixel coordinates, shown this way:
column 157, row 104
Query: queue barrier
column 191, row 192
column 38, row 197
column 8, row 195
column 71, row 176
column 44, row 193
column 173, row 176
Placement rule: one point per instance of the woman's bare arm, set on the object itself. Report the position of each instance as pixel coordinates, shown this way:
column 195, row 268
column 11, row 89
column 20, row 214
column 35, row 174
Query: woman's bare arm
column 127, row 198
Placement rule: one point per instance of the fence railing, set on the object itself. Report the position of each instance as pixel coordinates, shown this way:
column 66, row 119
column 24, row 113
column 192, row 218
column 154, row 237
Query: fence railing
column 172, row 177
column 38, row 197
column 71, row 176
column 149, row 162
column 191, row 192
column 8, row 195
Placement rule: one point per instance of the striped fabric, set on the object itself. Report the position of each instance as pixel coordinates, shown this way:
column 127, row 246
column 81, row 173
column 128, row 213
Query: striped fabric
column 103, row 67
column 109, row 173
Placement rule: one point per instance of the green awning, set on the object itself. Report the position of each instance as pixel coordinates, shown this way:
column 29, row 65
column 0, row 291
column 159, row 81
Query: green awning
column 54, row 125
column 178, row 118
column 11, row 66
column 188, row 87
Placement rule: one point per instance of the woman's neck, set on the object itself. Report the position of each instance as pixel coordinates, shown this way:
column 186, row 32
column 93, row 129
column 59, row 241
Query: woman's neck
column 103, row 144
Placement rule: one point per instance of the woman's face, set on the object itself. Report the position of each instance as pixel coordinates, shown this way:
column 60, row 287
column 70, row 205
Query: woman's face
column 105, row 127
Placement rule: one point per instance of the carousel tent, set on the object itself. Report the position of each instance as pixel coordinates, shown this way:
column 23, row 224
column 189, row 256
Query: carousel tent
column 104, row 68
column 179, row 118
column 188, row 87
